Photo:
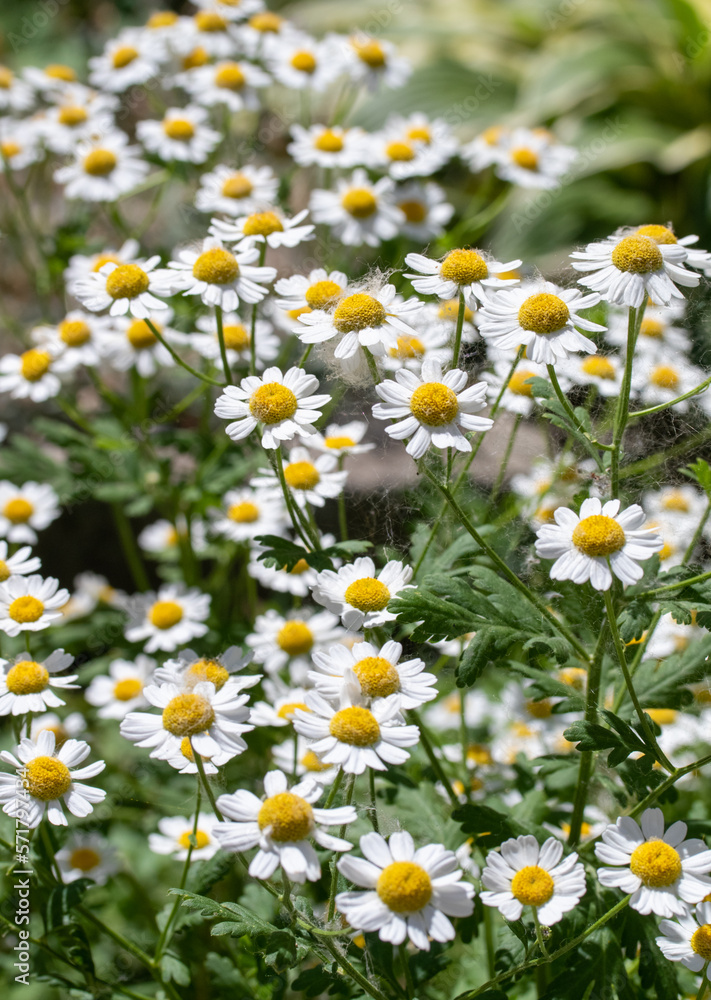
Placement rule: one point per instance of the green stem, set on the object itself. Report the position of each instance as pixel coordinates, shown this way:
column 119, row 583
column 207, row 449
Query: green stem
column 178, row 360
column 638, row 656
column 333, row 791
column 223, row 348
column 405, row 959
column 704, row 981
column 372, row 366
column 300, row 523
column 650, row 594
column 697, row 534
column 206, row 785
column 342, row 513
column 672, row 402
column 183, row 404
column 164, row 939
column 634, row 322
column 505, row 460
column 334, row 871
column 253, row 330
column 458, row 332
column 563, row 400
column 587, row 758
column 373, row 800
column 489, row 941
column 305, row 355
column 428, row 747
column 539, row 935
column 130, row 549
column 357, row 977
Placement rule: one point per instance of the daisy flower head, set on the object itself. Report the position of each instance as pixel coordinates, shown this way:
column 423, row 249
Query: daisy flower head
column 320, row 289
column 261, row 30
column 169, row 618
column 532, row 158
column 247, row 513
column 81, row 265
column 280, row 641
column 51, row 80
column 15, row 93
column 177, row 833
column 683, row 502
column 234, row 84
column 26, row 684
column 219, row 276
column 431, row 341
column 310, row 480
column 598, row 543
column 104, row 168
column 280, row 708
column 352, row 735
column 183, row 759
column 425, row 209
column 378, row 672
column 485, row 149
column 88, row 855
column 209, row 31
column 29, row 604
column 374, row 62
column 30, row 375
column 658, row 333
column 358, row 211
column 298, row 752
column 127, row 60
column 298, row 580
column 403, row 158
column 409, row 893
column 133, row 344
column 432, row 408
column 543, row 317
column 432, row 133
column 528, row 874
column 660, row 378
column 19, row 143
column 79, row 339
column 25, row 510
column 124, row 289
column 231, row 10
column 77, row 113
column 238, row 340
column 182, row 135
column 359, row 596
column 283, row 403
column 664, row 235
column 189, row 669
column 121, row 690
column 281, row 825
column 626, row 267
column 461, row 270
column 269, row 225
column 48, row 776
column 687, row 939
column 299, row 62
column 236, row 191
column 163, row 537
column 71, row 725
column 604, row 371
column 663, row 871
column 343, row 439
column 328, row 146
column 518, row 393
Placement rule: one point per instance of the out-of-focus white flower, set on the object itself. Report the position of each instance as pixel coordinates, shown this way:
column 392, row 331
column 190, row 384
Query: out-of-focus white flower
column 329, row 146
column 182, row 135
column 88, row 855
column 171, row 618
column 176, row 833
column 104, row 168
column 121, row 691
column 358, row 211
column 235, row 191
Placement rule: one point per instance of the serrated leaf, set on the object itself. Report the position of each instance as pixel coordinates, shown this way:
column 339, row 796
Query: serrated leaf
column 62, row 899
column 488, row 643
column 700, row 471
column 634, row 620
column 234, row 919
column 173, row 969
column 282, row 553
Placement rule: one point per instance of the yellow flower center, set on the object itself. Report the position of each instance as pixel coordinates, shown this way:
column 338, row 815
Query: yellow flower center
column 244, row 512
column 464, row 267
column 10, row 149
column 236, row 336
column 407, row 347
column 18, row 510
column 47, row 778
column 229, row 76
column 26, row 609
column 5, row 573
column 367, row 594
column 198, row 57
column 74, row 332
column 179, row 128
column 206, row 670
column 574, row 677
column 404, row 887
column 359, row 202
column 399, row 151
column 266, row 21
column 263, row 224
column 295, row 313
column 478, row 754
column 207, row 21
column 414, row 211
column 289, row 708
column 295, row 638
column 188, row 715
column 162, row 19
column 301, row 476
column 202, row 839
column 300, row 567
column 27, row 677
column 304, row 62
column 532, row 886
column 378, row 677
column 519, row 384
column 72, row 115
column 598, row 535
column 288, row 817
column 322, row 294
column 539, row 709
column 311, row 762
column 370, row 52
column 434, row 404
column 128, row 689
column 419, row 133
column 356, row 312
column 637, row 254
column 666, row 551
column 339, row 442
column 543, row 313
column 6, row 78
column 599, row 367
column 652, row 328
column 34, row 365
column 123, row 56
column 356, row 726
column 273, row 402
column 449, row 309
column 492, row 134
column 104, row 258
column 660, row 234
column 329, row 142
column 140, row 335
column 701, row 942
column 662, row 716
column 57, row 71
column 237, row 186
column 216, row 267
column 656, row 864
column 675, row 500
column 524, row 157
column 165, row 614
column 665, row 377
column 84, row 858
column 127, row 281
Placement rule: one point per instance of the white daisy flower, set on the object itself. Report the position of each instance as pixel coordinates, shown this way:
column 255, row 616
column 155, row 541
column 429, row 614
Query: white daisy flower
column 269, row 225
column 658, row 334
column 604, row 371
column 297, row 757
column 246, row 513
column 47, row 776
column 461, row 270
column 64, row 729
column 87, row 855
column 683, row 502
column 219, row 277
column 299, row 62
column 597, row 543
column 518, row 394
column 310, row 480
column 431, row 341
column 212, row 721
column 30, row 603
column 210, row 31
column 231, row 10
column 662, row 377
column 688, row 938
column 261, row 30
column 176, row 833
column 19, row 143
column 182, row 135
column 279, row 710
column 404, row 158
column 29, row 375
column 486, row 149
column 132, row 343
column 343, row 439
column 664, row 235
column 367, row 318
column 527, row 874
column 51, row 80
column 228, row 82
column 378, row 672
column 282, row 402
column 236, row 191
column 238, row 338
column 670, row 637
column 278, row 641
column 78, row 113
column 121, row 690
column 625, row 268
column 297, row 581
column 169, row 618
column 184, row 759
column 358, row 211
column 81, row 266
column 127, row 60
column 432, row 408
column 541, row 315
column 163, row 537
column 324, row 146
column 373, row 62
column 79, row 339
column 15, row 94
column 281, row 825
column 26, row 684
column 431, row 133
column 426, row 212
column 124, row 288
column 104, row 168
column 410, row 893
column 663, row 871
column 25, row 510
column 532, row 158
column 357, row 595
column 320, row 290
column 189, row 669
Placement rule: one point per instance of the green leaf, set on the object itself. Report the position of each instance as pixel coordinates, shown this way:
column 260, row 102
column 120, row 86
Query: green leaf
column 487, row 644
column 700, row 471
column 281, row 553
column 234, row 919
column 663, row 684
column 62, row 899
column 634, row 620
column 491, row 827
column 173, row 969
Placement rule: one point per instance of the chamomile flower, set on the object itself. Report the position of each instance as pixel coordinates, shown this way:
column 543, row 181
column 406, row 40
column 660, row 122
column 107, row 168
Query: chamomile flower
column 279, row 641
column 310, row 480
column 298, row 580
column 663, row 871
column 430, row 133
column 378, row 672
column 124, row 289
column 64, row 729
column 238, row 339
column 527, row 874
column 658, row 333
column 19, row 144
column 320, row 289
column 176, row 833
column 246, row 513
column 163, row 537
column 77, row 114
column 664, row 235
column 87, row 855
column 543, row 316
column 47, row 775
column 296, row 757
column 182, row 135
column 234, row 84
column 283, row 403
column 358, row 211
column 282, row 825
column 461, row 270
column 353, row 736
column 279, row 710
column 231, row 10
column 598, row 543
column 299, row 62
column 235, row 191
column 604, row 371
column 269, row 225
column 531, row 158
column 425, row 209
column 343, row 439
column 518, row 393
column 82, row 266
column 374, row 62
column 688, row 938
column 211, row 32
column 486, row 149
column 29, row 604
column 51, row 80
column 404, row 158
column 26, row 684
column 260, row 30
column 183, row 760
column 104, row 168
column 189, row 669
column 127, row 60
column 29, row 375
column 683, row 502
column 660, row 379
column 329, row 146
column 132, row 343
column 80, row 339
column 121, row 690
column 220, row 277
column 359, row 596
column 409, row 893
column 168, row 619
column 625, row 268
column 25, row 510
column 15, row 94
column 670, row 637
